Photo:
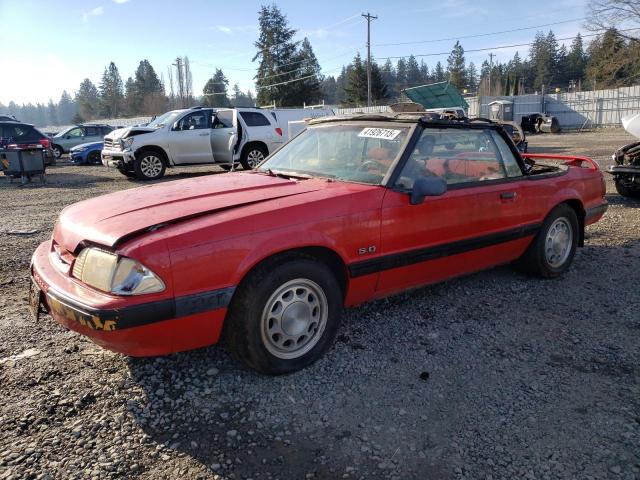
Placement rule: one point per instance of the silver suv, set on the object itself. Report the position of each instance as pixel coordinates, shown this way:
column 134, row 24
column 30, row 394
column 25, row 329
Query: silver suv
column 194, row 136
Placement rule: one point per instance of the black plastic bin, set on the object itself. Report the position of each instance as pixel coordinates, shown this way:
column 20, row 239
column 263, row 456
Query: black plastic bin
column 23, row 163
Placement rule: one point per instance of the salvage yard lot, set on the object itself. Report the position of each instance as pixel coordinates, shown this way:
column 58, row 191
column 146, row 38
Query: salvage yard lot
column 495, row 375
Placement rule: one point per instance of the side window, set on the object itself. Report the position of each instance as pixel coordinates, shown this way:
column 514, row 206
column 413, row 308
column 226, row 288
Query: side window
column 105, row 131
column 194, row 121
column 223, row 119
column 460, row 156
column 22, row 133
column 510, row 163
column 255, row 119
column 92, row 131
column 75, row 132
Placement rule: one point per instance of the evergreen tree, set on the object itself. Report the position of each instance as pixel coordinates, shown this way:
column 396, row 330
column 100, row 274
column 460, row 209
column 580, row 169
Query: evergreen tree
column 52, row 113
column 130, row 96
column 329, row 89
column 111, row 91
column 472, row 76
column 88, row 100
column 66, row 109
column 576, row 61
column 424, row 73
column 401, row 75
column 610, row 64
column 277, row 56
column 378, row 87
column 239, row 98
column 356, row 87
column 456, row 67
column 341, row 85
column 438, row 73
column 215, row 90
column 389, row 76
column 413, row 72
column 307, row 90
column 148, row 92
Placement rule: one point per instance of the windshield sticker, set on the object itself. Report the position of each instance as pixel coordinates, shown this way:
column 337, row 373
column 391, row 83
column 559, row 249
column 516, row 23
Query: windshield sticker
column 383, row 133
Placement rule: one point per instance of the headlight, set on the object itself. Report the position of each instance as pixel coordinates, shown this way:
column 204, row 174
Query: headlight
column 126, row 143
column 119, row 275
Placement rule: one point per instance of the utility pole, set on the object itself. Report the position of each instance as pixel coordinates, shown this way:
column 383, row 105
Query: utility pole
column 178, row 66
column 369, row 18
column 491, row 55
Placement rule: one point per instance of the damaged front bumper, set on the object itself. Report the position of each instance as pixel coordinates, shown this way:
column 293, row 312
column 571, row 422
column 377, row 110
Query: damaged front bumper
column 117, row 158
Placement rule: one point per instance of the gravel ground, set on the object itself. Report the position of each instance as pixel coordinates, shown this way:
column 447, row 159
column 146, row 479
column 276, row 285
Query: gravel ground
column 491, row 376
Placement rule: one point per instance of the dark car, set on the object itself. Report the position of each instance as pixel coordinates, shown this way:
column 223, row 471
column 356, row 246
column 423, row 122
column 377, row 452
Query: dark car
column 8, row 118
column 21, row 134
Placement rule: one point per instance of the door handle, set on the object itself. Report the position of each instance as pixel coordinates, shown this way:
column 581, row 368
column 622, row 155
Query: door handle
column 203, row 134
column 508, row 195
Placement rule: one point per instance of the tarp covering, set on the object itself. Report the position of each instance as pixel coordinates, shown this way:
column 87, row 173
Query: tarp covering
column 436, row 95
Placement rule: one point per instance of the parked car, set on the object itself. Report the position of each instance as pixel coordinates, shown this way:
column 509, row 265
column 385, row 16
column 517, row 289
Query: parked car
column 352, row 209
column 77, row 135
column 86, row 153
column 198, row 136
column 18, row 133
column 626, row 171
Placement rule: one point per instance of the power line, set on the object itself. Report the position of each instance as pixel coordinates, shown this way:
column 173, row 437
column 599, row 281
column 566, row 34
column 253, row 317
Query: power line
column 478, row 34
column 496, row 48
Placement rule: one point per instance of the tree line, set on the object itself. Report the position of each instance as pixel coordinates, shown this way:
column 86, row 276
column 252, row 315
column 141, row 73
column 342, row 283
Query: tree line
column 289, row 74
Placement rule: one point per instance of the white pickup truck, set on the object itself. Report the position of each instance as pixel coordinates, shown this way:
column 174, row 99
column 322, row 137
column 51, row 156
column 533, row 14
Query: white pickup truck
column 199, row 136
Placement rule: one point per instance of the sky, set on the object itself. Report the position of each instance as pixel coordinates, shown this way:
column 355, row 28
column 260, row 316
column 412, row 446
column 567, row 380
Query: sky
column 50, row 46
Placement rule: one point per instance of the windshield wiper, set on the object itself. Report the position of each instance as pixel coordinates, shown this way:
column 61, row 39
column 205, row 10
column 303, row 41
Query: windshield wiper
column 285, row 174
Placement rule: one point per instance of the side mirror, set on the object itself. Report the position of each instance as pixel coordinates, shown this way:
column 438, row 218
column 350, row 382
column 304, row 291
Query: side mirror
column 427, row 187
column 175, row 126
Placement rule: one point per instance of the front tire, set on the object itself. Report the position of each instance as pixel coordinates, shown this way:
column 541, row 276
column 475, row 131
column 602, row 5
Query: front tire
column 252, row 156
column 284, row 316
column 553, row 248
column 94, row 158
column 149, row 165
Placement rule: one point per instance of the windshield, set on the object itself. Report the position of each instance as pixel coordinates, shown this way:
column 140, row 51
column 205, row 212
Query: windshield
column 165, row 119
column 359, row 153
column 63, row 132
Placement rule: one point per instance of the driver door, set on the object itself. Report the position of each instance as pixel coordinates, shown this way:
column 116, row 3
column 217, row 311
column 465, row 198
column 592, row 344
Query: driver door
column 189, row 138
column 475, row 224
column 224, row 135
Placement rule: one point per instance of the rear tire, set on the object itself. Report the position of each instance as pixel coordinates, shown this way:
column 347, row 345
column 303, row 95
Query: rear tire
column 126, row 172
column 252, row 156
column 57, row 151
column 627, row 191
column 284, row 316
column 149, row 165
column 552, row 250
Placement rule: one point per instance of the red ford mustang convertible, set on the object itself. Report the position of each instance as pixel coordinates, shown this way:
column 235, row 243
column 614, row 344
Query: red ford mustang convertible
column 350, row 210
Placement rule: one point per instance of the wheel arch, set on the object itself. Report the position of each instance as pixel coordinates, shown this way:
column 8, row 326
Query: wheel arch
column 252, row 143
column 577, row 206
column 322, row 254
column 157, row 149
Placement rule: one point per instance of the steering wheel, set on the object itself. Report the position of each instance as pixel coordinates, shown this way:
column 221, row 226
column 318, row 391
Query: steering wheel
column 367, row 164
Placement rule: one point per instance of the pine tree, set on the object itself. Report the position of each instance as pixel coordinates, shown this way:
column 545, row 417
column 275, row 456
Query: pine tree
column 610, row 64
column 413, row 72
column 401, row 75
column 66, row 109
column 130, row 97
column 215, row 90
column 356, row 87
column 388, row 74
column 111, row 91
column 88, row 100
column 277, row 56
column 576, row 61
column 472, row 76
column 456, row 67
column 148, row 92
column 307, row 90
column 52, row 113
column 424, row 73
column 329, row 89
column 438, row 73
column 378, row 87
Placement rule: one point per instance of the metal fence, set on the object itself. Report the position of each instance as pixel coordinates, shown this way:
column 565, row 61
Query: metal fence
column 599, row 108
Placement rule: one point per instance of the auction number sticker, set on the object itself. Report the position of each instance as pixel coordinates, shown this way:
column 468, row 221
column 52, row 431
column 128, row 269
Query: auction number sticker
column 383, row 133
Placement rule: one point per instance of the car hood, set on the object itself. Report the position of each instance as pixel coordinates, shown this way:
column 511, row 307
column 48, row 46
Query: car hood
column 109, row 219
column 88, row 145
column 128, row 132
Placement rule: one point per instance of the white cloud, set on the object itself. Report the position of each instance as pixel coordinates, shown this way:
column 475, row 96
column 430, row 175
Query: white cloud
column 92, row 13
column 120, row 1
column 224, row 29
